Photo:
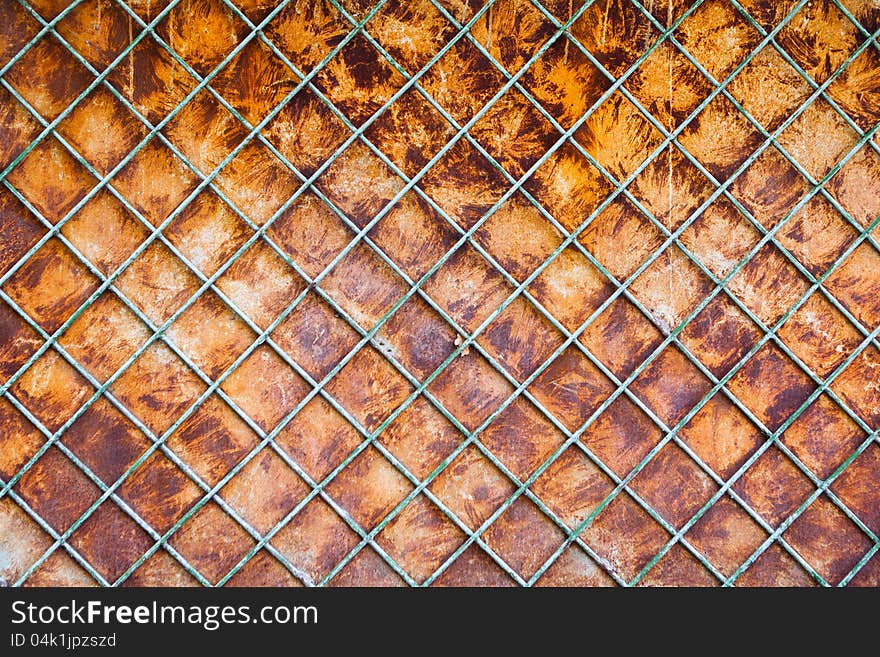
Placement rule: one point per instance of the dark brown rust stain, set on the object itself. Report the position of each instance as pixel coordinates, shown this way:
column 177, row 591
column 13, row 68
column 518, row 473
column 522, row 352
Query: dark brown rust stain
column 856, row 487
column 474, row 567
column 265, row 387
column 674, row 485
column 18, row 341
column 572, row 486
column 263, row 570
column 775, row 567
column 305, row 30
column 420, row 437
column 769, row 188
column 315, row 336
column 470, row 388
column 420, row 538
column 518, row 237
column 472, row 487
column 771, row 386
column 521, row 437
column 211, row 542
column 57, row 490
column 857, row 91
column 720, row 335
column 614, row 31
column 367, row 568
column 20, row 440
column 827, row 540
column 318, row 438
column 315, row 540
column 524, row 537
column 264, row 491
column 16, row 29
column 52, row 390
column 520, row 338
column 98, row 30
column 20, row 230
column 159, row 492
column 670, row 386
column 512, row 30
column 575, row 568
column 372, row 388
column 624, row 536
column 859, row 386
column 721, row 435
column 678, row 567
column 823, row 436
column 369, row 488
column 571, row 388
column 212, row 440
column 173, row 387
column 773, row 487
column 105, row 440
column 110, row 558
column 621, row 337
column 726, row 535
column 622, row 436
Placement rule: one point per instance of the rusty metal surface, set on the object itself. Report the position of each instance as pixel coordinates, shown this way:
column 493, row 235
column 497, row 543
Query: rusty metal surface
column 441, row 292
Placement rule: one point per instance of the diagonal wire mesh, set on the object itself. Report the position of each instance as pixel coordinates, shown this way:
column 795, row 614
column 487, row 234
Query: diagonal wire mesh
column 362, row 27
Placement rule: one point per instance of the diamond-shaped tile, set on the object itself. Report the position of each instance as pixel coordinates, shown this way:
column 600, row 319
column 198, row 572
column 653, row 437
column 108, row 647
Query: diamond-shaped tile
column 172, row 388
column 769, row 88
column 823, row 436
column 769, row 188
column 468, row 288
column 828, row 540
column 420, row 437
column 721, row 435
column 318, row 438
column 856, row 91
column 673, row 485
column 110, row 541
column 21, row 230
column 411, row 34
column 261, row 284
column 856, row 284
column 571, row 288
column 410, row 132
column 212, row 440
column 775, row 567
column 818, row 138
column 367, row 568
column 774, row 487
column 48, row 77
column 97, row 30
column 420, row 538
column 721, row 138
column 18, row 127
column 616, row 34
column 571, row 388
column 104, row 336
column 462, row 81
column 768, row 284
column 19, row 441
column 310, row 233
column 104, row 232
column 474, row 567
column 187, row 37
column 514, row 133
column 621, row 337
column 819, row 335
column 19, row 341
column 575, row 568
column 858, row 386
column 573, row 487
column 771, row 386
column 16, row 28
column 671, row 386
column 720, row 335
column 369, row 488
column 720, row 237
column 471, row 389
column 518, row 237
column 105, row 440
column 817, row 235
column 211, row 542
column 524, row 537
column 265, row 387
column 718, row 37
column 358, row 80
column 852, row 188
column 512, row 31
column 418, row 338
column 23, row 541
column 369, row 388
column 305, row 32
column 521, row 437
column 257, row 182
column 472, row 487
column 51, row 179
column 159, row 492
column 622, row 436
column 819, row 38
column 625, row 537
column 726, row 535
column 52, row 390
column 521, row 338
column 855, row 487
column 265, row 490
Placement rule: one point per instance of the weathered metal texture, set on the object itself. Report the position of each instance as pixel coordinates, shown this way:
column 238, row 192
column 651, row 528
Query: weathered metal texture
column 440, row 292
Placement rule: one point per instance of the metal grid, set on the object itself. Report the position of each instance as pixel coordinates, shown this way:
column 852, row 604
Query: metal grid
column 368, row 335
